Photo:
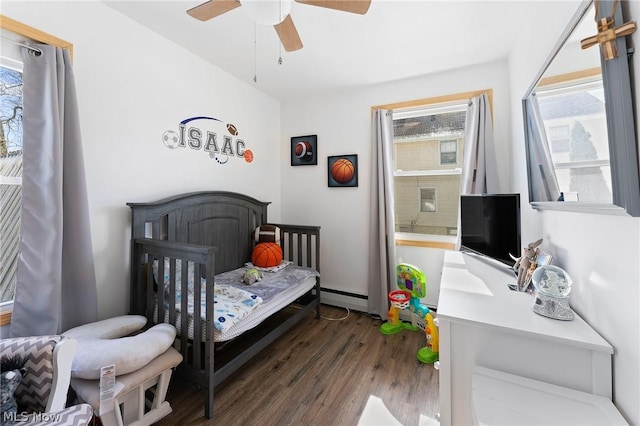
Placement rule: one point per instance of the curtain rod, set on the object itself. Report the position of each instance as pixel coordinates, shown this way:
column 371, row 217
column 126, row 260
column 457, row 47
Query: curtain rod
column 37, row 51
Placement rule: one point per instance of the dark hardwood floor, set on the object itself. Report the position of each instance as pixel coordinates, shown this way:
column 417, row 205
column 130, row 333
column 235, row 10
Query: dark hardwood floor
column 322, row 373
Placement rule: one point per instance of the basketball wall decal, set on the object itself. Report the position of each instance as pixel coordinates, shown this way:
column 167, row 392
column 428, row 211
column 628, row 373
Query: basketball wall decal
column 266, row 255
column 343, row 170
column 248, row 156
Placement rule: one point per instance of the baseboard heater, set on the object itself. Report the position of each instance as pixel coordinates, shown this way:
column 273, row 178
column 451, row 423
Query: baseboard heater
column 344, row 299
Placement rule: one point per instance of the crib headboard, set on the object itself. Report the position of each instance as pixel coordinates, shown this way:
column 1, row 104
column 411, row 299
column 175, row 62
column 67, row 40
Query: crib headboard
column 221, row 219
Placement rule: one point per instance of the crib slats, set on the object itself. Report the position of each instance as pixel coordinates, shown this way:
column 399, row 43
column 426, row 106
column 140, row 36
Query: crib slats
column 172, row 291
column 184, row 308
column 197, row 318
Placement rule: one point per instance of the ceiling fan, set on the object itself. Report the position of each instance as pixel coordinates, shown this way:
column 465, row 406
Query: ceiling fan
column 276, row 13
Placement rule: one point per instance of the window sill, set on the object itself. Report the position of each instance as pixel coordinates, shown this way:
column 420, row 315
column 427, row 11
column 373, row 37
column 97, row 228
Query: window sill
column 5, row 314
column 428, row 241
column 578, row 207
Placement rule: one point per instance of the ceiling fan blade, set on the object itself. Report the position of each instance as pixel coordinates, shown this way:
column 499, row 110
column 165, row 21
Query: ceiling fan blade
column 288, row 34
column 212, row 8
column 353, row 6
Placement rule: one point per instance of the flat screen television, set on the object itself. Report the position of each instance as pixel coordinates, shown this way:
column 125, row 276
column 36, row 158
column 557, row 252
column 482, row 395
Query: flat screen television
column 490, row 225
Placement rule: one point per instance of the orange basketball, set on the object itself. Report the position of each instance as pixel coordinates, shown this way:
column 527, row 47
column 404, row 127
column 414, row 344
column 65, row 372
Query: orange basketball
column 342, row 170
column 248, row 156
column 266, row 255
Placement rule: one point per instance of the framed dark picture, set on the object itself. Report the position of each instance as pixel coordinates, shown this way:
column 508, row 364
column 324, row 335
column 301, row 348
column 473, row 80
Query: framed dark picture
column 343, row 170
column 304, row 150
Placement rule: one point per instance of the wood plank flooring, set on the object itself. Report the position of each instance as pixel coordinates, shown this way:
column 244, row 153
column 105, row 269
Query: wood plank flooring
column 322, row 373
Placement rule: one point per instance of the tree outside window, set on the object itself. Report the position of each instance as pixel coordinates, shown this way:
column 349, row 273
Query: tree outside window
column 10, row 178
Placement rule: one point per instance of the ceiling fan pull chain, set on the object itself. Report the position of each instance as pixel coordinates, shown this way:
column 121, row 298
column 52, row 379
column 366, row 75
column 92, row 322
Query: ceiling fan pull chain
column 279, row 43
column 255, row 54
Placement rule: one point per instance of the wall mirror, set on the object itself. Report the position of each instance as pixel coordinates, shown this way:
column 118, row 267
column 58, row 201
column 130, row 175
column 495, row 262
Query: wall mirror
column 581, row 147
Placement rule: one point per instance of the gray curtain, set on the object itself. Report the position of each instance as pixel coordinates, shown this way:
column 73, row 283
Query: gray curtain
column 479, row 169
column 382, row 248
column 543, row 181
column 56, row 286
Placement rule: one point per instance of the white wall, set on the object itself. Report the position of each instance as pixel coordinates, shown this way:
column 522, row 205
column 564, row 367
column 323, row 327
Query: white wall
column 342, row 122
column 132, row 86
column 600, row 252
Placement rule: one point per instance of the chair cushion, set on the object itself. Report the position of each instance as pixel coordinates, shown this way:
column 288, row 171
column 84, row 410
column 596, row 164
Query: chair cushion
column 102, row 347
column 89, row 390
column 33, row 392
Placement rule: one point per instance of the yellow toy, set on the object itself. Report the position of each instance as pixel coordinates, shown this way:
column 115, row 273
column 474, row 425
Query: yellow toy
column 411, row 282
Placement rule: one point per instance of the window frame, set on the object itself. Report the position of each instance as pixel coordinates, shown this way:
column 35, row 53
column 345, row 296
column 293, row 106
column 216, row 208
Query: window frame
column 423, row 240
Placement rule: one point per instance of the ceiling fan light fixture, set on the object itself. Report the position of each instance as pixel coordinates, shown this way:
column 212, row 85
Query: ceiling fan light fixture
column 267, row 12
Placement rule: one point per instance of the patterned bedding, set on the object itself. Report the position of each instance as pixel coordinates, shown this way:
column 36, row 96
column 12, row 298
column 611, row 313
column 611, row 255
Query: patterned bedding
column 234, row 300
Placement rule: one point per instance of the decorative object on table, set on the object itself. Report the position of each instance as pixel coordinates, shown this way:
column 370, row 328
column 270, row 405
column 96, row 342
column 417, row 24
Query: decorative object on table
column 608, row 33
column 343, row 170
column 526, row 264
column 252, row 276
column 412, row 286
column 542, row 259
column 303, row 150
column 552, row 287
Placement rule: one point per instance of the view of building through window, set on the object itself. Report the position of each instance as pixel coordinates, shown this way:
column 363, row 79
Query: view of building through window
column 10, row 178
column 576, row 127
column 428, row 146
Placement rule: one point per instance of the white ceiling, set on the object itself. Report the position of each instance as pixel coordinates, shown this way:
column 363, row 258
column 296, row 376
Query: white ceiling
column 396, row 39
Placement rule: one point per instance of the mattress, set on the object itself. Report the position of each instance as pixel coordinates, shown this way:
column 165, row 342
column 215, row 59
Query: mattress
column 276, row 291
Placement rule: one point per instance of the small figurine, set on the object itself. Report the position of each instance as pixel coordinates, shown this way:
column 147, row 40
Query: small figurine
column 526, row 264
column 251, row 276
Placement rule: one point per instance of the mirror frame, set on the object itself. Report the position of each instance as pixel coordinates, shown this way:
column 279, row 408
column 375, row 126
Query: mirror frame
column 619, row 108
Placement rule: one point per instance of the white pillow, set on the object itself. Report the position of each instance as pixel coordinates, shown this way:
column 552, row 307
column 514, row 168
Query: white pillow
column 127, row 353
column 109, row 328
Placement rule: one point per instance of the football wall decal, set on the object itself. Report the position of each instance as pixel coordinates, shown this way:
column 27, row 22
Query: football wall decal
column 232, row 129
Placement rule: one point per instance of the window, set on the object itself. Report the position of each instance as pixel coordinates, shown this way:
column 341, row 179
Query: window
column 428, row 200
column 449, row 152
column 427, row 167
column 10, row 174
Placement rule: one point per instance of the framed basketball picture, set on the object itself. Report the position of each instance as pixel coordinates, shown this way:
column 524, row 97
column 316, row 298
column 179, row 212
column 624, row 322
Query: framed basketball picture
column 304, row 150
column 343, row 170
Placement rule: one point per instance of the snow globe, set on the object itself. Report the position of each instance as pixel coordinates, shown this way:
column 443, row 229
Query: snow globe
column 552, row 287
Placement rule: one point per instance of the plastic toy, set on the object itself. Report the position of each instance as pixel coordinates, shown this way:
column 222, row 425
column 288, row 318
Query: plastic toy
column 412, row 286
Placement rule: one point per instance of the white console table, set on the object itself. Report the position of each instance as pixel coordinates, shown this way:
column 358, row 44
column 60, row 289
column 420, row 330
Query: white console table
column 484, row 323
